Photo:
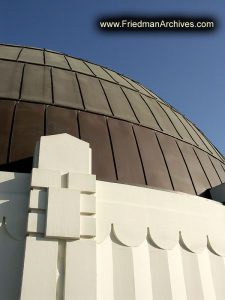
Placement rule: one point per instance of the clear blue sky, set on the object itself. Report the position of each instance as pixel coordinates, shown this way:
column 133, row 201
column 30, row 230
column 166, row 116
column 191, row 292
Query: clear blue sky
column 185, row 69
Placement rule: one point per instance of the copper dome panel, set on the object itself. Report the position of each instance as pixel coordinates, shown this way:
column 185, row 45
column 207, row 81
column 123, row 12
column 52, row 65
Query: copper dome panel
column 136, row 137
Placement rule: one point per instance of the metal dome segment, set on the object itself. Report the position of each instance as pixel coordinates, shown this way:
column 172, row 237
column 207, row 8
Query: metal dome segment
column 48, row 78
column 136, row 137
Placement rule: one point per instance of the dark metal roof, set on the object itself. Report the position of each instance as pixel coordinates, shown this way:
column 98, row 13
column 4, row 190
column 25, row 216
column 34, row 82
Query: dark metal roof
column 136, row 137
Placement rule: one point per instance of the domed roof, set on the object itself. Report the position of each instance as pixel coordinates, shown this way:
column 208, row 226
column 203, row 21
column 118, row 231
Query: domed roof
column 136, row 137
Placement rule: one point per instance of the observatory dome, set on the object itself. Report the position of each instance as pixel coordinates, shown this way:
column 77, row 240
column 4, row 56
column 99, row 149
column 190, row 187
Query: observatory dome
column 136, row 137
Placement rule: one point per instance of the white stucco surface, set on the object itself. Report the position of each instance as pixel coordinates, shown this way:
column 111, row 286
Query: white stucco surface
column 131, row 243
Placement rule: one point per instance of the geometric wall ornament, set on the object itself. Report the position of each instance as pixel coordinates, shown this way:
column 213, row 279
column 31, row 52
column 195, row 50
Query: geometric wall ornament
column 61, row 216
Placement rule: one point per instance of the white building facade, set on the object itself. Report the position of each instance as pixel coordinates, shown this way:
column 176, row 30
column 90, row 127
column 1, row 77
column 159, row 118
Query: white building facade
column 66, row 235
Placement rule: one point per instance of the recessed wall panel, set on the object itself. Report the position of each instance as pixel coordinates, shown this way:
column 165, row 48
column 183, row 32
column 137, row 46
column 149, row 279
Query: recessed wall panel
column 37, row 84
column 218, row 274
column 123, row 272
column 153, row 161
column 160, row 274
column 66, row 89
column 93, row 129
column 128, row 163
column 192, row 276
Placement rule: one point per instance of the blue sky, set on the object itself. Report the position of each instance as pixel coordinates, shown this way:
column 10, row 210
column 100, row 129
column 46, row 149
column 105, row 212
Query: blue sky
column 185, row 69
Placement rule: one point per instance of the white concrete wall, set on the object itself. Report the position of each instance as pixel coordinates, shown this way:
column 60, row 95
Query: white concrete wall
column 154, row 244
column 89, row 239
column 14, row 194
